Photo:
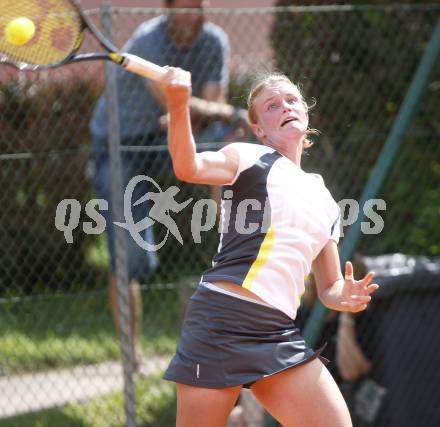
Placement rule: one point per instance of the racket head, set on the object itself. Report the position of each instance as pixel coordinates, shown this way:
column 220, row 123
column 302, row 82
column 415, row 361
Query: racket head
column 59, row 32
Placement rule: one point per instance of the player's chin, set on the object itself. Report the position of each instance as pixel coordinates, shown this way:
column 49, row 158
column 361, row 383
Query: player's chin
column 294, row 128
column 295, row 132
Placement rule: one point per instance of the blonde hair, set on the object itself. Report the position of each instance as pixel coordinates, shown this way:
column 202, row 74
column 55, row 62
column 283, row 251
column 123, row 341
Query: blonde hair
column 272, row 79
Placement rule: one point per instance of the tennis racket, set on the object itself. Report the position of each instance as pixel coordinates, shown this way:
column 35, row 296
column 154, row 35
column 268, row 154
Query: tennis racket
column 59, row 30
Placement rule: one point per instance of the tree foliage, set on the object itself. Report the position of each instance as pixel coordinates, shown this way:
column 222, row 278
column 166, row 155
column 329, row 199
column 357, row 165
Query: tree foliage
column 358, row 64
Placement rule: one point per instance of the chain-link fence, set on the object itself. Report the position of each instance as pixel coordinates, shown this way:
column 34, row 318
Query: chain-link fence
column 59, row 352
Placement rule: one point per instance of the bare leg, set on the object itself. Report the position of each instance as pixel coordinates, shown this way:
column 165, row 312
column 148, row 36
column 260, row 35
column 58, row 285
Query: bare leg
column 201, row 407
column 303, row 396
column 136, row 315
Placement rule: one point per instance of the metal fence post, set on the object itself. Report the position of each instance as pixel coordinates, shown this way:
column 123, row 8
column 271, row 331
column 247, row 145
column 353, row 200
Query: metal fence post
column 120, row 234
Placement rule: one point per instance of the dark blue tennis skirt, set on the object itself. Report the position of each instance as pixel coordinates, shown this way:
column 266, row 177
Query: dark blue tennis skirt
column 227, row 341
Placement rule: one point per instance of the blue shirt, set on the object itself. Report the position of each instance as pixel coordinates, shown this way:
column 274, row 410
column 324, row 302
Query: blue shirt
column 206, row 59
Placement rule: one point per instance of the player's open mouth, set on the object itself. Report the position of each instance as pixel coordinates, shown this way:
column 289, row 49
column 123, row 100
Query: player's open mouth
column 288, row 120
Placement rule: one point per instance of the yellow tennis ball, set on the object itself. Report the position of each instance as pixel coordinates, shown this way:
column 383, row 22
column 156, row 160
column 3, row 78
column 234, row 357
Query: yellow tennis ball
column 19, row 31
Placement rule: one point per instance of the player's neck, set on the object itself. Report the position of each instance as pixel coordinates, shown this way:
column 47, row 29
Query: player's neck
column 293, row 151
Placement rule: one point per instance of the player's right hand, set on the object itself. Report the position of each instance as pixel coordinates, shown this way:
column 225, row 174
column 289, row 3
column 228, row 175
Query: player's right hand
column 176, row 85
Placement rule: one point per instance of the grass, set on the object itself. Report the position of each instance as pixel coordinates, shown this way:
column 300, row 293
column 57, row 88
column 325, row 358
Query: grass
column 156, row 403
column 57, row 331
column 66, row 330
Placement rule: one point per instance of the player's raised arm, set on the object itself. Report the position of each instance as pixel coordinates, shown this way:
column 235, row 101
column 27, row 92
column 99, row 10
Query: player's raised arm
column 215, row 168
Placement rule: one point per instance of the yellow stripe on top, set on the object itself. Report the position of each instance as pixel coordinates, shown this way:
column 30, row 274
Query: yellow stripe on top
column 262, row 257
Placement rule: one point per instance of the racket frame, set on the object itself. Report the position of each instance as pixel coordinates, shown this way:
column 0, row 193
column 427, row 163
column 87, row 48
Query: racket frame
column 132, row 63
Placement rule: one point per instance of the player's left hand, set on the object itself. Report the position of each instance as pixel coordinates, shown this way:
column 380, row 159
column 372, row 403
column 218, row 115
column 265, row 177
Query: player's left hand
column 356, row 293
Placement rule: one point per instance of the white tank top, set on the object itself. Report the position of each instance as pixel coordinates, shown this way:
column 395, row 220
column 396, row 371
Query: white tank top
column 276, row 218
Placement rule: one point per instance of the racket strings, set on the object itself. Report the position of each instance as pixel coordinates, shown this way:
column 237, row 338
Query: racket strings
column 58, row 31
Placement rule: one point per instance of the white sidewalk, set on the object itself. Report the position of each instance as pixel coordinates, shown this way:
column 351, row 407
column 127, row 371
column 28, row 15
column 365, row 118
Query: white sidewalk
column 37, row 391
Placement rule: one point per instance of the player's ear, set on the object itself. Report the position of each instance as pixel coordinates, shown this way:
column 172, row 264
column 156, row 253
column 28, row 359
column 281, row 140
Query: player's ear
column 257, row 130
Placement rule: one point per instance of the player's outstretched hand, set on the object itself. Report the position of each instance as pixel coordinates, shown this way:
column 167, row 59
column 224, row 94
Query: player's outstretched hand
column 356, row 293
column 176, row 85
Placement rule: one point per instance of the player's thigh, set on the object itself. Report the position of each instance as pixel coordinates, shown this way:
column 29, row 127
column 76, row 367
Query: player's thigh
column 201, row 407
column 303, row 396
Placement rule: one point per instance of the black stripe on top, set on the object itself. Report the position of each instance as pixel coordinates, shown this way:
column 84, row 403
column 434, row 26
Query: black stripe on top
column 239, row 250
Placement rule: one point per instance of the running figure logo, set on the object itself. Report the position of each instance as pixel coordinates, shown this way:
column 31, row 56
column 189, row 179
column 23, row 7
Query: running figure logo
column 163, row 204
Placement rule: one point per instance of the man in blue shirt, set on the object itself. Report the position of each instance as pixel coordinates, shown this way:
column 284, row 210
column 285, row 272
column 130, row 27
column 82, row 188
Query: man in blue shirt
column 184, row 40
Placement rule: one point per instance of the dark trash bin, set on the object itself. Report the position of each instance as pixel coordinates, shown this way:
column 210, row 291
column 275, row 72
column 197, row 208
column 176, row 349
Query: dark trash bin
column 400, row 333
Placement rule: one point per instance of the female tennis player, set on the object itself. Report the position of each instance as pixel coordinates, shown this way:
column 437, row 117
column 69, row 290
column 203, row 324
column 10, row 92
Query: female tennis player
column 278, row 223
